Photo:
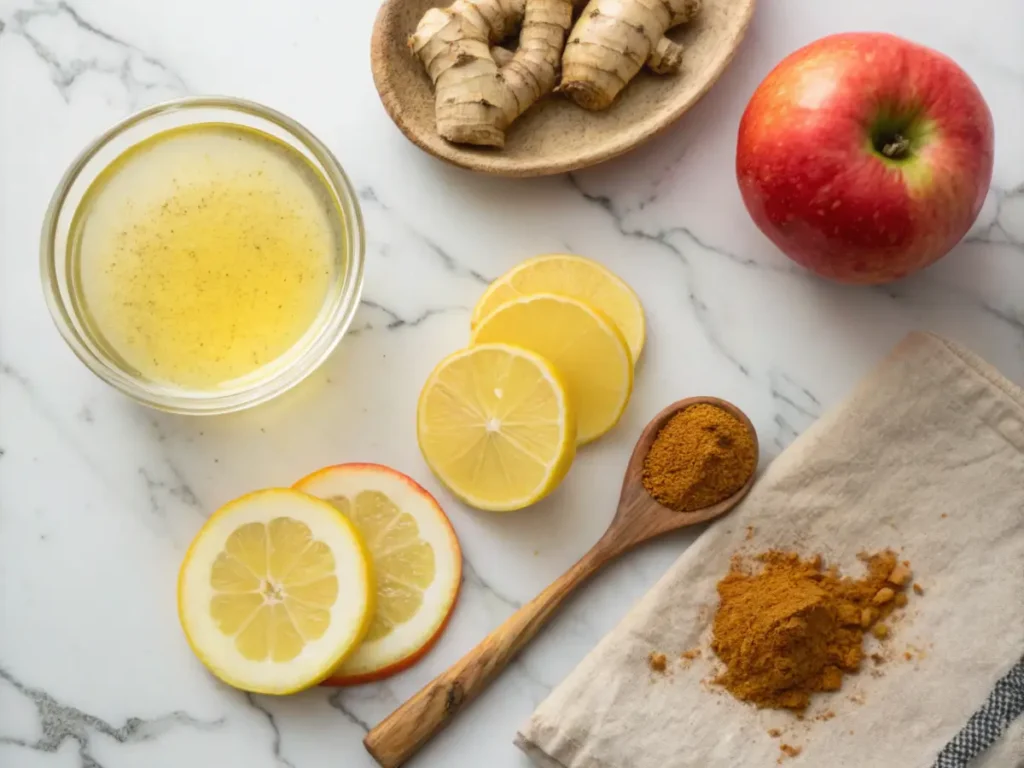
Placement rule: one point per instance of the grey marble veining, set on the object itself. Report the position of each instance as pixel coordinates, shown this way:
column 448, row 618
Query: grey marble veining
column 99, row 498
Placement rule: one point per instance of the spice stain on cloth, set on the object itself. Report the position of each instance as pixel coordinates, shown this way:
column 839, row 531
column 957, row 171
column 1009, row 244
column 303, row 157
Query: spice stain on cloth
column 789, row 750
column 700, row 457
column 688, row 657
column 658, row 662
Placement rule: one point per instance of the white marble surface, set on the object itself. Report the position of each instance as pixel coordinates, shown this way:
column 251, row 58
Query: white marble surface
column 99, row 497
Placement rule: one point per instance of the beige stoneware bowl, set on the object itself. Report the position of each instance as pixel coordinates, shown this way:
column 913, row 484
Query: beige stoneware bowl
column 556, row 136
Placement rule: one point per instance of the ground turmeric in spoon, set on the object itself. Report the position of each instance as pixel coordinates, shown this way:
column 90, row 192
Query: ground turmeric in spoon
column 701, row 456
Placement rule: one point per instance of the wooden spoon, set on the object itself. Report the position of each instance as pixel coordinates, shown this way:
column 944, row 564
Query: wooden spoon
column 638, row 518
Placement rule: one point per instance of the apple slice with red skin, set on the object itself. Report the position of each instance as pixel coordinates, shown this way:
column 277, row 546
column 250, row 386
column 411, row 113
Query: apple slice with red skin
column 865, row 157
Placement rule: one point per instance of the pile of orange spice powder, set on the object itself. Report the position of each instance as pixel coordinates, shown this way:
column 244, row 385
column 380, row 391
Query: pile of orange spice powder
column 794, row 628
column 786, row 627
column 701, row 456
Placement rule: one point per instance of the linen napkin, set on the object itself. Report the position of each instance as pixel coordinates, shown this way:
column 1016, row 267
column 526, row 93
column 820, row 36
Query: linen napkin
column 926, row 457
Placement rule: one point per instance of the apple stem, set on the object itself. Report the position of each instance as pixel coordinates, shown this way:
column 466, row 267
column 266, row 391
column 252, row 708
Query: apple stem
column 896, row 148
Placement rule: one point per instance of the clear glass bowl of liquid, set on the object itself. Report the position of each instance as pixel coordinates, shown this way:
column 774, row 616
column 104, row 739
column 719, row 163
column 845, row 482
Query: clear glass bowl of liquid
column 203, row 255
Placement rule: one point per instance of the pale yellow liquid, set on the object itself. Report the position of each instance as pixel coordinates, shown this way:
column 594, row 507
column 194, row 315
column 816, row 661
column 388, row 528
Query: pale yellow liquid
column 205, row 254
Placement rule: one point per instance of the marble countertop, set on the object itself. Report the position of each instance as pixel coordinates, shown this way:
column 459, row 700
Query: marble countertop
column 100, row 497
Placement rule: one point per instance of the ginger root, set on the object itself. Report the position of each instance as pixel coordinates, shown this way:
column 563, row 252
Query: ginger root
column 613, row 39
column 666, row 58
column 476, row 97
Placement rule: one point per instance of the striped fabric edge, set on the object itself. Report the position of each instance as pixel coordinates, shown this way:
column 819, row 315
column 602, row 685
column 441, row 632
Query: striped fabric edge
column 987, row 725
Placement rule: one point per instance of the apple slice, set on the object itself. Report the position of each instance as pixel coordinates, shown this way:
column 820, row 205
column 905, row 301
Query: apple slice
column 416, row 561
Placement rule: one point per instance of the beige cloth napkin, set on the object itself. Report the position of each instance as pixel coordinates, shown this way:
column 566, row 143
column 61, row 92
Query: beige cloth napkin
column 927, row 457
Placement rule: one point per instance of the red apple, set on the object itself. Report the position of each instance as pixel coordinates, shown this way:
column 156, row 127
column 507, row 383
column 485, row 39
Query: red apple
column 865, row 157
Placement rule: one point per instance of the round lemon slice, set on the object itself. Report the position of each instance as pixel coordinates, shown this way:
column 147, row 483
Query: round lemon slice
column 417, row 564
column 581, row 342
column 496, row 426
column 574, row 276
column 275, row 591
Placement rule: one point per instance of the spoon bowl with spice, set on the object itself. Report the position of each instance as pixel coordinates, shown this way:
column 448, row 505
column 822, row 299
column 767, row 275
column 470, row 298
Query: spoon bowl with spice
column 693, row 463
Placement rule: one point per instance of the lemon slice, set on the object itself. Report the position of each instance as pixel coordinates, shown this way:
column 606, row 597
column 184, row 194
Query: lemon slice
column 584, row 345
column 275, row 591
column 417, row 564
column 496, row 426
column 574, row 276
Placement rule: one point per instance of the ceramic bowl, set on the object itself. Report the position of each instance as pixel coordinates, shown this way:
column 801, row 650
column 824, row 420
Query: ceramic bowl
column 555, row 135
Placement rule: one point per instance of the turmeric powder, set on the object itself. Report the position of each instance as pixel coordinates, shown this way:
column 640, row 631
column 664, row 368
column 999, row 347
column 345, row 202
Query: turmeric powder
column 701, row 456
column 794, row 629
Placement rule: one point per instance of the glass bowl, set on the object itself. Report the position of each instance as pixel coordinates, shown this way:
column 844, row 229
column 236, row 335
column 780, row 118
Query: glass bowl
column 62, row 287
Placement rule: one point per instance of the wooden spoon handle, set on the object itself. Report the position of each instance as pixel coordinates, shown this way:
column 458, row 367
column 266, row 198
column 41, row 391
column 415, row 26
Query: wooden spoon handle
column 401, row 734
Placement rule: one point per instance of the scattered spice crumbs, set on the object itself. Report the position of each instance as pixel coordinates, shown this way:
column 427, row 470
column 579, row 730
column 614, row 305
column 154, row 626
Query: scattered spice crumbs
column 774, row 733
column 918, row 589
column 689, row 656
column 900, row 574
column 750, row 532
column 789, row 750
column 913, row 652
column 657, row 662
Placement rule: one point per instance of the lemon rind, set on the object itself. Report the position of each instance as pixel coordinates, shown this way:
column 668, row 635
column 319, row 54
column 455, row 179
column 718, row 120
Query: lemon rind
column 402, row 644
column 477, row 314
column 286, row 684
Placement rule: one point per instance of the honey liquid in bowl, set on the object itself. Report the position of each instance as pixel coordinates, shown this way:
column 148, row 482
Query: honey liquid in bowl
column 205, row 254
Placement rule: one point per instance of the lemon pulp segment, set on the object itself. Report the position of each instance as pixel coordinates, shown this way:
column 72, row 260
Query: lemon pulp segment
column 274, row 585
column 416, row 559
column 403, row 562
